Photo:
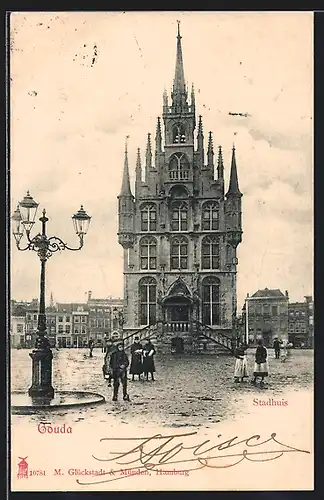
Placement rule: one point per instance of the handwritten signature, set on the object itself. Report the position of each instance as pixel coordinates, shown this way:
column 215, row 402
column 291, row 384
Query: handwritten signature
column 158, row 450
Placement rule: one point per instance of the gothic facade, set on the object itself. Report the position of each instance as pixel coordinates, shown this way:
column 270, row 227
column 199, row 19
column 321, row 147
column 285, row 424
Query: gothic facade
column 179, row 230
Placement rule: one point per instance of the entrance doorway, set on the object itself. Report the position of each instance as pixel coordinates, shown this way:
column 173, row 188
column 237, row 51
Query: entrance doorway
column 177, row 310
column 177, row 345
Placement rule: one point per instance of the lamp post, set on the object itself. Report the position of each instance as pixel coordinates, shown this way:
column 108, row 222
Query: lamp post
column 23, row 220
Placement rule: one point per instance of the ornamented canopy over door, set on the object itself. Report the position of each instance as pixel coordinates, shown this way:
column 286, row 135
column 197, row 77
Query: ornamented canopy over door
column 179, row 288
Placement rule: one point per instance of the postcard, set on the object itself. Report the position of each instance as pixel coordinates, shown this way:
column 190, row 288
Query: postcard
column 161, row 299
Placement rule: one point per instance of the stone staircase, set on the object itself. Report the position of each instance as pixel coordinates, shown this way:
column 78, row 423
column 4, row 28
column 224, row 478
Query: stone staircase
column 149, row 332
column 200, row 334
column 216, row 336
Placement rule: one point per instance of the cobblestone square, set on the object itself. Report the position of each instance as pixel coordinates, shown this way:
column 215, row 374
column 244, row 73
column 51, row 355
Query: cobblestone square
column 188, row 390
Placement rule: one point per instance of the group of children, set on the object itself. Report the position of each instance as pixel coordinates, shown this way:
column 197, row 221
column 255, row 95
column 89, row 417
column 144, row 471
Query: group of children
column 116, row 364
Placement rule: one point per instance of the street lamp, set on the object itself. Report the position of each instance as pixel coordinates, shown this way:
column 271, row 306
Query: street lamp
column 23, row 220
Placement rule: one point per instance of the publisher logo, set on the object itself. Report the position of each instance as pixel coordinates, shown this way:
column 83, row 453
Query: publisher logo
column 22, row 468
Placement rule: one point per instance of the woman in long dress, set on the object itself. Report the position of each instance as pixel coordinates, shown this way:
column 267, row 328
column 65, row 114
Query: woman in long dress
column 240, row 369
column 136, row 366
column 261, row 367
column 148, row 359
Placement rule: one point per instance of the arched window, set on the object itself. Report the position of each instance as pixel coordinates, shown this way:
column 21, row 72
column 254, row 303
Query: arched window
column 148, row 217
column 148, row 253
column 179, row 253
column 178, row 134
column 210, row 216
column 178, row 192
column 211, row 301
column 147, row 295
column 210, row 253
column 179, row 167
column 179, row 214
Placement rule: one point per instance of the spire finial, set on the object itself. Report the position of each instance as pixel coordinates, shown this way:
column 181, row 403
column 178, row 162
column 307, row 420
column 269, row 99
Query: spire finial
column 233, row 184
column 148, row 154
column 220, row 165
column 179, row 36
column 210, row 151
column 200, row 125
column 125, row 189
column 179, row 94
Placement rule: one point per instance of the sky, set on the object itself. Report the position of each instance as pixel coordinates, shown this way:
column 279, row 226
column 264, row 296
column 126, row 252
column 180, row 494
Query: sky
column 80, row 82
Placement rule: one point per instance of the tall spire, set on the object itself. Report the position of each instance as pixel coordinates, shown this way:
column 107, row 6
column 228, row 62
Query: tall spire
column 210, row 151
column 179, row 94
column 233, row 184
column 220, row 165
column 126, row 189
column 138, row 167
column 158, row 137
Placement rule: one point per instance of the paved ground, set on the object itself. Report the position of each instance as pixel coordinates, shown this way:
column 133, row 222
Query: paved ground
column 188, row 391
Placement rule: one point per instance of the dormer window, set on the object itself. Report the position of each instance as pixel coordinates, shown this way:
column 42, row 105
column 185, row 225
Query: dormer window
column 178, row 134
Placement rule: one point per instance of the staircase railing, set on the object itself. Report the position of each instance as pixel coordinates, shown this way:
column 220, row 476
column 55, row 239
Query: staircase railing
column 199, row 330
column 215, row 336
column 145, row 333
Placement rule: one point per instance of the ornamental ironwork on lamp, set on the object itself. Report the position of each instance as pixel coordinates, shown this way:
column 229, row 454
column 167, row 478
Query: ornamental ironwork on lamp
column 23, row 220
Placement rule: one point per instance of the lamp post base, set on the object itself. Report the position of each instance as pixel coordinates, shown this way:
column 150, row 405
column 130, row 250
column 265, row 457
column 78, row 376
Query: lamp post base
column 41, row 374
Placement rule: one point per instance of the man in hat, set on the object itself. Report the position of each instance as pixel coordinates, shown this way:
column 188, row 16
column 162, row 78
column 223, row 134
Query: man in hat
column 106, row 370
column 118, row 365
column 277, row 347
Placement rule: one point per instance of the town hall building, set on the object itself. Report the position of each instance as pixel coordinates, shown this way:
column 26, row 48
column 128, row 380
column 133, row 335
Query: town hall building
column 180, row 232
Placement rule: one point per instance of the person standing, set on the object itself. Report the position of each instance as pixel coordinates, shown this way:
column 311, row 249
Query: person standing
column 119, row 364
column 261, row 368
column 277, row 347
column 148, row 359
column 240, row 369
column 106, row 370
column 136, row 366
column 91, row 346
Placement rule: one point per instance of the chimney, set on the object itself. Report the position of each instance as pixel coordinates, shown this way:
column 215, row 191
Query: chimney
column 286, row 293
column 89, row 295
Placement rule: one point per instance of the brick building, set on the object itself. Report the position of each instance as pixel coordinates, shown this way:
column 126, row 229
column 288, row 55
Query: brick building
column 265, row 315
column 105, row 318
column 180, row 231
column 301, row 323
column 18, row 331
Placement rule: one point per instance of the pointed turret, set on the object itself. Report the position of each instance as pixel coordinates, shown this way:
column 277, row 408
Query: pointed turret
column 148, row 156
column 158, row 136
column 200, row 140
column 138, row 169
column 233, row 207
column 233, row 184
column 126, row 208
column 210, row 151
column 193, row 98
column 179, row 93
column 220, row 165
column 125, row 188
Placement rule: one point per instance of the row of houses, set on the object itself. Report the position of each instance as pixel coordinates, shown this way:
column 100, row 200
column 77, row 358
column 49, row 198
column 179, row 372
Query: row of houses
column 68, row 324
column 268, row 314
